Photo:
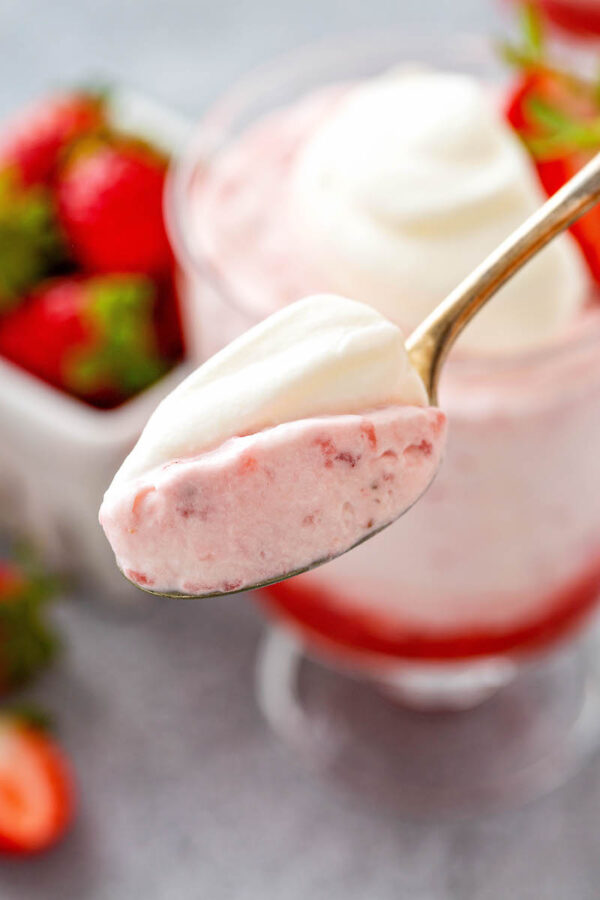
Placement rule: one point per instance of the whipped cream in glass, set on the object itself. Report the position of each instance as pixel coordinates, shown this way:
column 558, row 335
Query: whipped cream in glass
column 409, row 183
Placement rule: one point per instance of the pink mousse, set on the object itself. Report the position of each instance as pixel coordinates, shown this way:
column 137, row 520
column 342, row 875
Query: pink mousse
column 265, row 504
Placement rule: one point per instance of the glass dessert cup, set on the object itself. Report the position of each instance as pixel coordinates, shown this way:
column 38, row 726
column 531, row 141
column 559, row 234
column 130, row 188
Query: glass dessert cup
column 442, row 665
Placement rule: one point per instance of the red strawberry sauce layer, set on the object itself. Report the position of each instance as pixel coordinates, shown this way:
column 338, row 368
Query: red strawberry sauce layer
column 319, row 615
column 262, row 505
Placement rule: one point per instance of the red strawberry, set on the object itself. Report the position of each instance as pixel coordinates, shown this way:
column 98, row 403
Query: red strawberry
column 557, row 115
column 36, row 788
column 11, row 579
column 580, row 17
column 93, row 336
column 110, row 203
column 32, row 141
column 27, row 643
column 553, row 174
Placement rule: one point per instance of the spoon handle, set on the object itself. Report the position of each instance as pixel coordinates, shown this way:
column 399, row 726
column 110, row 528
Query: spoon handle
column 429, row 344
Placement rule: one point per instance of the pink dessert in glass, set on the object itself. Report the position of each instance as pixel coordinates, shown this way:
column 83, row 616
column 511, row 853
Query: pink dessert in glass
column 500, row 556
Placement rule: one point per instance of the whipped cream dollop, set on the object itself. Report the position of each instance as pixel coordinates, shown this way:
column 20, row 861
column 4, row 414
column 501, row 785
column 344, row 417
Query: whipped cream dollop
column 324, row 355
column 408, row 186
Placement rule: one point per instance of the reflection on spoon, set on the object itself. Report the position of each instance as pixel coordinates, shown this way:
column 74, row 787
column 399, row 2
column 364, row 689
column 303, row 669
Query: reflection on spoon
column 304, row 437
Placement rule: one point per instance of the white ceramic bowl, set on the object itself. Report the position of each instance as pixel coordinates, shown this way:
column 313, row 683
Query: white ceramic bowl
column 57, row 454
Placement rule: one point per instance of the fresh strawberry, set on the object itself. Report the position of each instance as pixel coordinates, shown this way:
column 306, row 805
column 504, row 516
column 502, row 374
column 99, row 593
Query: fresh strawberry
column 30, row 244
column 110, row 203
column 27, row 643
column 32, row 141
column 36, row 787
column 557, row 115
column 579, row 17
column 93, row 336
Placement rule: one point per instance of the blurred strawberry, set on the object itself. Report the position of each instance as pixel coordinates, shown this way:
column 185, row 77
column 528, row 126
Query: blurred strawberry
column 557, row 115
column 27, row 643
column 30, row 244
column 36, row 787
column 110, row 204
column 558, row 125
column 579, row 17
column 31, row 142
column 93, row 336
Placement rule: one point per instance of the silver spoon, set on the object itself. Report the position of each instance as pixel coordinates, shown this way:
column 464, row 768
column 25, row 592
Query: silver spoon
column 429, row 345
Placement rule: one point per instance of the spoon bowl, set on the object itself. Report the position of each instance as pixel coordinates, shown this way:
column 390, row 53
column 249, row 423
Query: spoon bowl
column 258, row 585
column 268, row 581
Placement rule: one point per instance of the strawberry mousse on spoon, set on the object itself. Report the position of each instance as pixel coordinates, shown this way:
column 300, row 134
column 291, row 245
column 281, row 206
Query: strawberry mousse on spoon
column 304, row 436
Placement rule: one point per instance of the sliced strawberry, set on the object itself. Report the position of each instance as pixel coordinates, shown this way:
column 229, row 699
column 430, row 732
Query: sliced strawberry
column 557, row 115
column 95, row 337
column 548, row 105
column 553, row 174
column 546, row 110
column 110, row 202
column 32, row 141
column 36, row 788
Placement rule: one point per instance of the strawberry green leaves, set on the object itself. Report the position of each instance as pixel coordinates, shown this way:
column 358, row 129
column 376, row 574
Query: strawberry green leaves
column 30, row 243
column 28, row 642
column 123, row 351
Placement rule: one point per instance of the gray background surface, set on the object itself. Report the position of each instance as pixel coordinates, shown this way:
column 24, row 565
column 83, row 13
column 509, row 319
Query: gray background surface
column 184, row 792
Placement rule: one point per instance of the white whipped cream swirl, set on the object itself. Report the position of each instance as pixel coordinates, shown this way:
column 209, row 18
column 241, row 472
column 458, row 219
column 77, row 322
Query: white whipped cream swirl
column 414, row 179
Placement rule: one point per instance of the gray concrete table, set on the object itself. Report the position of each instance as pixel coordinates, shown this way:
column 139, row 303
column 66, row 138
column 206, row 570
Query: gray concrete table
column 184, row 792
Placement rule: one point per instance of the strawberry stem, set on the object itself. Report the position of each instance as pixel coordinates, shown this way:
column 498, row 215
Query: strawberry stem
column 27, row 642
column 532, row 27
column 29, row 714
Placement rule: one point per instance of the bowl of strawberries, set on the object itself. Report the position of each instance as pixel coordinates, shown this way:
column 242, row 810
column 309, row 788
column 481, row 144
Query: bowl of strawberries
column 90, row 330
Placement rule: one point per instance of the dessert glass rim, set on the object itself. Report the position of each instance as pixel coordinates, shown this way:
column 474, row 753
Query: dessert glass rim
column 214, row 131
